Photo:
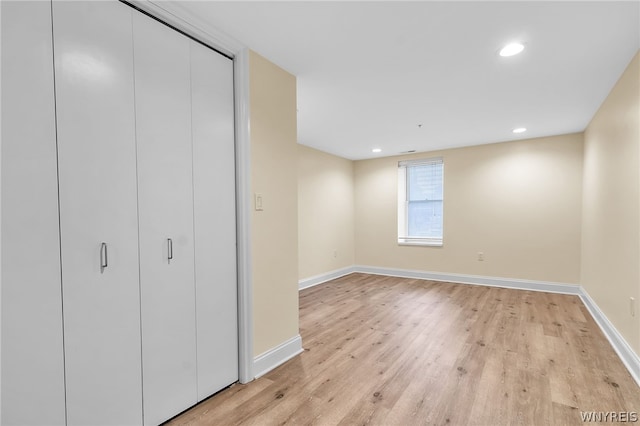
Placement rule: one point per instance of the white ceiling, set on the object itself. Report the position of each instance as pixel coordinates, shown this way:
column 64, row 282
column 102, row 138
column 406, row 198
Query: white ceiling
column 369, row 73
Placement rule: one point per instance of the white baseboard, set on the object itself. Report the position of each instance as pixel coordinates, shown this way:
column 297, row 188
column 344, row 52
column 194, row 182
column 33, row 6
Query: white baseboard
column 549, row 287
column 327, row 276
column 629, row 358
column 274, row 357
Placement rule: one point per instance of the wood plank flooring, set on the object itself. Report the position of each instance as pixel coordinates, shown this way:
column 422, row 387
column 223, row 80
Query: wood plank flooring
column 395, row 351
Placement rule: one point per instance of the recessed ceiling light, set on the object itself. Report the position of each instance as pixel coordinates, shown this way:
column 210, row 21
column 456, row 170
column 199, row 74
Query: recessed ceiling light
column 520, row 130
column 376, row 150
column 511, row 49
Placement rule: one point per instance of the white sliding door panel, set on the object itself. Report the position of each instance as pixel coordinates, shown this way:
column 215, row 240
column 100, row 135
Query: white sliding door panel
column 215, row 219
column 98, row 204
column 32, row 352
column 163, row 117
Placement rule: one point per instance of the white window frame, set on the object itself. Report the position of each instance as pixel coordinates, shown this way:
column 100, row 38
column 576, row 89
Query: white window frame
column 403, row 204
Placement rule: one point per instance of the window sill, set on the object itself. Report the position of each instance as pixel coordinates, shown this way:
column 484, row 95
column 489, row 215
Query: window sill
column 420, row 243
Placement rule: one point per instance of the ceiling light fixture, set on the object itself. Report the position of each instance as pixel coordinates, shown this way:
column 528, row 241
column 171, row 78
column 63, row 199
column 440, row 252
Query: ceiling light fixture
column 520, row 130
column 376, row 150
column 511, row 49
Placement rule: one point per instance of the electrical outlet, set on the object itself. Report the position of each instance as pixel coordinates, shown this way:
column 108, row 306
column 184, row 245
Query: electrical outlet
column 480, row 256
column 632, row 306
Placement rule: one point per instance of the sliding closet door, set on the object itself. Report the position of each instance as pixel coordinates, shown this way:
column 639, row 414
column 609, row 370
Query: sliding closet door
column 215, row 219
column 163, row 116
column 98, row 212
column 32, row 357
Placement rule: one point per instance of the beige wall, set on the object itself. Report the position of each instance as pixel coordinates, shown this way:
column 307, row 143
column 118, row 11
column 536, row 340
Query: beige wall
column 325, row 212
column 274, row 230
column 517, row 202
column 561, row 209
column 611, row 209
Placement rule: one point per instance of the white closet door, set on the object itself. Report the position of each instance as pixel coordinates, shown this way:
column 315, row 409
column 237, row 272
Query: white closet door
column 98, row 212
column 215, row 219
column 32, row 354
column 163, row 116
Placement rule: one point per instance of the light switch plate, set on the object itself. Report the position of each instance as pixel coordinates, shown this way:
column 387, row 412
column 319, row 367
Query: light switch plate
column 258, row 202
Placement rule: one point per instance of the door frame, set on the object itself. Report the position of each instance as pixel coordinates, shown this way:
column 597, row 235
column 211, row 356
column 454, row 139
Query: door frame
column 178, row 17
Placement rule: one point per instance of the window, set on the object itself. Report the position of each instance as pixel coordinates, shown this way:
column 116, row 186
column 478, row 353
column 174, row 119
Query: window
column 420, row 201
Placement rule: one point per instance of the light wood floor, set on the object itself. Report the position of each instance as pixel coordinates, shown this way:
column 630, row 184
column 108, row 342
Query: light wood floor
column 394, row 351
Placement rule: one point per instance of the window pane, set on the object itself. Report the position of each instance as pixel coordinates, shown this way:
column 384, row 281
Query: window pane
column 425, row 182
column 420, row 201
column 425, row 219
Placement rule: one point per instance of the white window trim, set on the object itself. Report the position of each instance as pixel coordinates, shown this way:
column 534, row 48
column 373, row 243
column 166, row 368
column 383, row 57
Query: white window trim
column 402, row 201
column 413, row 241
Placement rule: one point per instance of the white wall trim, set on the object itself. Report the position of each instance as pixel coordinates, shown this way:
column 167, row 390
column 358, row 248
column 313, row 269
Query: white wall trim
column 546, row 286
column 243, row 214
column 179, row 17
column 327, row 276
column 274, row 357
column 629, row 358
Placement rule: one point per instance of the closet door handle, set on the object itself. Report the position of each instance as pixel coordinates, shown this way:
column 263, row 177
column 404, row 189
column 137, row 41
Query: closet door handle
column 104, row 262
column 169, row 250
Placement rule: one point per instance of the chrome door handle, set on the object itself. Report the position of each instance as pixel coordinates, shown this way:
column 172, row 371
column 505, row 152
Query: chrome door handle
column 104, row 262
column 169, row 250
